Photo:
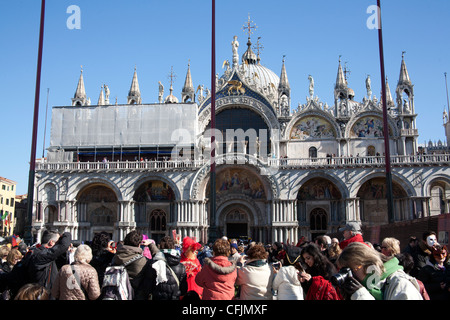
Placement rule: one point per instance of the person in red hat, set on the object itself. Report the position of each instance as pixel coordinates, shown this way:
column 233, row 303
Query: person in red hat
column 189, row 260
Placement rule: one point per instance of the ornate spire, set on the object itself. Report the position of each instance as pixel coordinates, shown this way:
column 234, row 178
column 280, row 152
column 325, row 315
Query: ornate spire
column 188, row 89
column 79, row 97
column 389, row 100
column 341, row 82
column 134, row 95
column 284, row 82
column 284, row 93
column 404, row 76
column 101, row 98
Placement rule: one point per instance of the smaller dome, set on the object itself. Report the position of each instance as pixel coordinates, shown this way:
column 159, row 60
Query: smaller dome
column 171, row 99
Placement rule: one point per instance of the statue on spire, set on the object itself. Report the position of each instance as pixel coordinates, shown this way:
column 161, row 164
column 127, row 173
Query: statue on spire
column 235, row 46
column 368, row 87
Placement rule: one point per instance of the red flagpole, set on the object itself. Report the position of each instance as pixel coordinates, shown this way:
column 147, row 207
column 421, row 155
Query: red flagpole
column 30, row 196
column 212, row 215
column 385, row 122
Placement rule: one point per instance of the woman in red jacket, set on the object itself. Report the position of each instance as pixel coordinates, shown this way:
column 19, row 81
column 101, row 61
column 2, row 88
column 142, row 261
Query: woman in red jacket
column 218, row 274
column 191, row 263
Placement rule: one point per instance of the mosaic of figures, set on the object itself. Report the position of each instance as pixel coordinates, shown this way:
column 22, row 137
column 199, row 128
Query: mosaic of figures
column 318, row 189
column 312, row 128
column 239, row 181
column 97, row 194
column 375, row 189
column 368, row 127
column 154, row 191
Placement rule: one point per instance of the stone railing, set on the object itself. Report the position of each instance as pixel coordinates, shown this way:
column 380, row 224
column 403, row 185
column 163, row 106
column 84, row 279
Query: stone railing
column 288, row 163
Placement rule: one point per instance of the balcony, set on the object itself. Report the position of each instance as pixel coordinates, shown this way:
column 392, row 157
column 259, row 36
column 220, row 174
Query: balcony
column 284, row 163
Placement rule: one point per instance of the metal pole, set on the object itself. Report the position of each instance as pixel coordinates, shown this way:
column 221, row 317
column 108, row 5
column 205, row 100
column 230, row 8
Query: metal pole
column 28, row 237
column 385, row 122
column 212, row 221
column 45, row 125
column 446, row 87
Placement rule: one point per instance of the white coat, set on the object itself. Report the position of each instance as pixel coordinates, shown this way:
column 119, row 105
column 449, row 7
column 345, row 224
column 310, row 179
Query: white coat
column 255, row 282
column 287, row 283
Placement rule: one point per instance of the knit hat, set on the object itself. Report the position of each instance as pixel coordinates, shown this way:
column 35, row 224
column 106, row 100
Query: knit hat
column 234, row 245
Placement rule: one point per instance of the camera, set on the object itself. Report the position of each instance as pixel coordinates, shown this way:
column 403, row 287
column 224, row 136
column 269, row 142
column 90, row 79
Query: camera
column 339, row 278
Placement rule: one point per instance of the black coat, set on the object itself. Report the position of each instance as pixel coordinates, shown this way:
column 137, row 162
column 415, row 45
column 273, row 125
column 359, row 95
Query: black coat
column 100, row 261
column 170, row 290
column 42, row 265
column 432, row 277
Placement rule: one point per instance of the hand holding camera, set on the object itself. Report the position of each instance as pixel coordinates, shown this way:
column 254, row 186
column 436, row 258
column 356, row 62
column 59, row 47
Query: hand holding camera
column 345, row 280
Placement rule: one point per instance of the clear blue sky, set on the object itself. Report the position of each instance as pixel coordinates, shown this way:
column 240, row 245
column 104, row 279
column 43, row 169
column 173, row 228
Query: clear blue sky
column 156, row 35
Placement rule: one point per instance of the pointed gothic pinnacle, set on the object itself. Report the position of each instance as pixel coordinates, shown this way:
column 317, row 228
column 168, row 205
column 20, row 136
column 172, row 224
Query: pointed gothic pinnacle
column 80, row 93
column 284, row 82
column 188, row 85
column 404, row 76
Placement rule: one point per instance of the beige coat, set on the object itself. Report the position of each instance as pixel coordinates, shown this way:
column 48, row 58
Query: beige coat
column 66, row 286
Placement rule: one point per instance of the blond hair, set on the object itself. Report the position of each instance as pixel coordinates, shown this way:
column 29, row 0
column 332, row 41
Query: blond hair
column 359, row 254
column 83, row 254
column 391, row 244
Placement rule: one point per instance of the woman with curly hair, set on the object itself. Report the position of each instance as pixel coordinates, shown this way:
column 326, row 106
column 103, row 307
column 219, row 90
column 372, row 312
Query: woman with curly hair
column 318, row 272
column 316, row 263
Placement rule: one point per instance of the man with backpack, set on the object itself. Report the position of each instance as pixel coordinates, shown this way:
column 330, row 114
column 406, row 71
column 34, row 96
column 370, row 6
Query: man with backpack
column 138, row 269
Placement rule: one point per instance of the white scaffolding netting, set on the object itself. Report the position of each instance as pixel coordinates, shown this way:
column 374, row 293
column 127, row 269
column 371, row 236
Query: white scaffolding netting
column 124, row 125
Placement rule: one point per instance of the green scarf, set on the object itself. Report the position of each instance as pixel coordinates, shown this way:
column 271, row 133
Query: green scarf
column 375, row 290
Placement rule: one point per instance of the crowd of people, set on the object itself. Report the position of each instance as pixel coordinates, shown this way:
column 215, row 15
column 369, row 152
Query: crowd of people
column 325, row 268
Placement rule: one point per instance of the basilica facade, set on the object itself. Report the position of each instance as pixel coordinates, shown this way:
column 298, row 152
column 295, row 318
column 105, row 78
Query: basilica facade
column 282, row 171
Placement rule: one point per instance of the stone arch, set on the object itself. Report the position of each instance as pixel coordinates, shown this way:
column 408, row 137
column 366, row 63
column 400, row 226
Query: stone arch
column 97, row 207
column 89, row 181
column 261, row 109
column 438, row 190
column 200, row 180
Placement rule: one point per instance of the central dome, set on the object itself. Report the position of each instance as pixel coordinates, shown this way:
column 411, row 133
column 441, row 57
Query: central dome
column 261, row 76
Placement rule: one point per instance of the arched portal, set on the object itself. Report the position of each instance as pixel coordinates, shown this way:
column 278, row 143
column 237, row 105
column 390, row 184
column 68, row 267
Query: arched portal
column 237, row 222
column 319, row 206
column 373, row 201
column 97, row 210
column 154, row 208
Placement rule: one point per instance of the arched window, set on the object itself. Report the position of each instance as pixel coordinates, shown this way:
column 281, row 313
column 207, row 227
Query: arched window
column 313, row 152
column 318, row 220
column 158, row 220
